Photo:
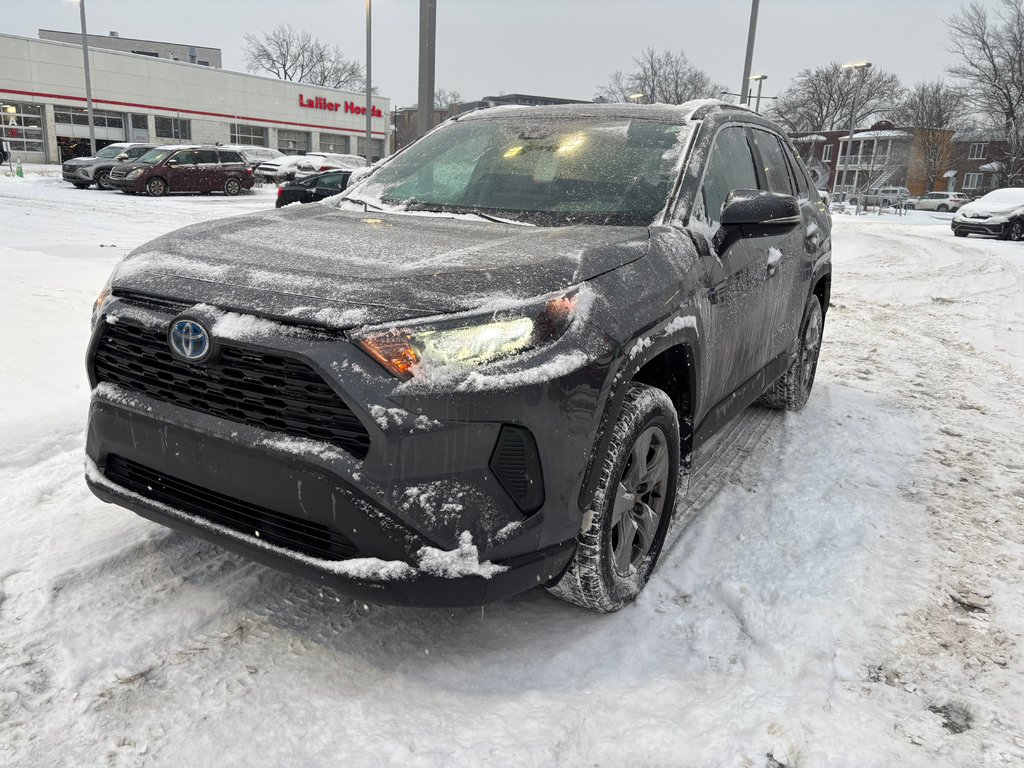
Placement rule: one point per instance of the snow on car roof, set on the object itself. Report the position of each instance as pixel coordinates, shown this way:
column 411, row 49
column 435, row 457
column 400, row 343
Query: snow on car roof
column 666, row 112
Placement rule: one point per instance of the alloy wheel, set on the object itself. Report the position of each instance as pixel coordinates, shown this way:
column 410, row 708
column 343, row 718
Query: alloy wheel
column 232, row 187
column 103, row 180
column 809, row 353
column 1017, row 230
column 156, row 187
column 639, row 500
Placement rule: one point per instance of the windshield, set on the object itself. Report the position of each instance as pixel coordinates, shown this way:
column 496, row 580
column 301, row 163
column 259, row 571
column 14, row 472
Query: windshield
column 108, row 152
column 551, row 171
column 1011, row 196
column 154, row 156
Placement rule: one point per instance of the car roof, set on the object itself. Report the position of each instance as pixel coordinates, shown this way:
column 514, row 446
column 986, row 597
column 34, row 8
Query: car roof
column 672, row 113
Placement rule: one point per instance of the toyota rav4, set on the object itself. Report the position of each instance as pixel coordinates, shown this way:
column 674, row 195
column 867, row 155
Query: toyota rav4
column 479, row 370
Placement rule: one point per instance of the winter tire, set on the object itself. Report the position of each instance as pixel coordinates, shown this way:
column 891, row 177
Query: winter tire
column 790, row 391
column 103, row 180
column 156, row 187
column 943, row 208
column 232, row 187
column 624, row 528
column 1015, row 230
column 80, row 186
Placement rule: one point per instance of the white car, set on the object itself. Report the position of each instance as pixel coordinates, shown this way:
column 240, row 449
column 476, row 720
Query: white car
column 282, row 169
column 323, row 161
column 999, row 213
column 880, row 196
column 939, row 201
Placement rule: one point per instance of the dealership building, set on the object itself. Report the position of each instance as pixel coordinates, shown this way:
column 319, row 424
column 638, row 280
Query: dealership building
column 147, row 99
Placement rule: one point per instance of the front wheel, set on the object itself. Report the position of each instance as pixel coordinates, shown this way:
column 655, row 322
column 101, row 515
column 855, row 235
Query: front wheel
column 790, row 391
column 80, row 186
column 1014, row 231
column 625, row 525
column 232, row 187
column 156, row 187
column 943, row 208
column 103, row 180
column 959, row 233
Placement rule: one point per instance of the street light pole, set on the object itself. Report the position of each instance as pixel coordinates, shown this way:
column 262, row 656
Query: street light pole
column 760, row 82
column 369, row 89
column 428, row 40
column 863, row 66
column 88, row 83
column 749, row 60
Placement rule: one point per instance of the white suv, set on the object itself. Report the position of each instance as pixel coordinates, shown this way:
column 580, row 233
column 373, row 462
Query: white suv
column 939, row 201
column 881, row 196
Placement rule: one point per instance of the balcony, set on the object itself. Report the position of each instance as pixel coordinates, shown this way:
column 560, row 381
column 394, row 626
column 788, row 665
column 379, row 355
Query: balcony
column 864, row 162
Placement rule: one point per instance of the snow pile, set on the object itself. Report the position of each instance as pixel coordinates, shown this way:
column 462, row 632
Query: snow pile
column 453, row 564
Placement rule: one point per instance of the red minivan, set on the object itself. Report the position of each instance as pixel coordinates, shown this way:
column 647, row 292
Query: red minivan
column 184, row 169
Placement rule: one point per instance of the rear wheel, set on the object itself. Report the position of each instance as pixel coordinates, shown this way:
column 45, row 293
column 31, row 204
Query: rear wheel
column 156, row 187
column 624, row 528
column 943, row 208
column 1015, row 230
column 790, row 391
column 232, row 187
column 103, row 180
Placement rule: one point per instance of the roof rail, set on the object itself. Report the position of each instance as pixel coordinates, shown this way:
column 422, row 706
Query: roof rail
column 718, row 106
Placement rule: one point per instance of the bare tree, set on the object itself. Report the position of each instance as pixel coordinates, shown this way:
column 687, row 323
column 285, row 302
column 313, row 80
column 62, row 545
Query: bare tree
column 290, row 54
column 989, row 47
column 444, row 99
column 660, row 77
column 821, row 99
column 936, row 111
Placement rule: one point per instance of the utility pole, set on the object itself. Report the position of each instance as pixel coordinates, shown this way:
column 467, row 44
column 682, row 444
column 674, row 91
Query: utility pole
column 863, row 66
column 369, row 89
column 428, row 38
column 88, row 83
column 751, row 34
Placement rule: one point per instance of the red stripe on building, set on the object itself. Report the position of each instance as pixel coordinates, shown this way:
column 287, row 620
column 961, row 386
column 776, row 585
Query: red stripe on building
column 328, row 128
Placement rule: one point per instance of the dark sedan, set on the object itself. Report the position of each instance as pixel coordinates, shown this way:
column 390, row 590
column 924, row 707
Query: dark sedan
column 312, row 189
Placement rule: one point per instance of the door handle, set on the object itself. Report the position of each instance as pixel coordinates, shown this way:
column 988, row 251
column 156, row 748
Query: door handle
column 774, row 259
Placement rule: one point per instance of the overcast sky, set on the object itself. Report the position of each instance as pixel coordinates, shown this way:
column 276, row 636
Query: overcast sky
column 561, row 48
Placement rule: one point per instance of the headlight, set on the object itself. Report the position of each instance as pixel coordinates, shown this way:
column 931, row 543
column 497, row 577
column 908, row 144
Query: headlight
column 133, row 174
column 83, row 172
column 100, row 303
column 408, row 351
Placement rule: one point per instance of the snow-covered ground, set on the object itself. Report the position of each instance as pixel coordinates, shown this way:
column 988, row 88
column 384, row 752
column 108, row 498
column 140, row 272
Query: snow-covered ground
column 845, row 588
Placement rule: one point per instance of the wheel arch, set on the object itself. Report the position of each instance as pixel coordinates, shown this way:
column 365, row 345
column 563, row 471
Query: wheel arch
column 662, row 358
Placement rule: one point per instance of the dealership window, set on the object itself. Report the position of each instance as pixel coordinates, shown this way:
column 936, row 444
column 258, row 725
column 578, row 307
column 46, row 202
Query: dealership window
column 377, row 147
column 293, row 142
column 826, row 154
column 174, row 128
column 334, row 142
column 972, row 180
column 979, row 151
column 250, row 135
column 22, row 126
column 101, row 118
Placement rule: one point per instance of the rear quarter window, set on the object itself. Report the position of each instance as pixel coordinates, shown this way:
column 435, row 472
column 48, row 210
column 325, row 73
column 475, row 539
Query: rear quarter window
column 231, row 157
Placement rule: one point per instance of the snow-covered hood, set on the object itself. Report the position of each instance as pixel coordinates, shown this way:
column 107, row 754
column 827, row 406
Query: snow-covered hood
column 78, row 162
column 980, row 209
column 318, row 264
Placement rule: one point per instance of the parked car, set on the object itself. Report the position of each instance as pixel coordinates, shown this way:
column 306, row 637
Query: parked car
column 163, row 170
column 83, row 172
column 999, row 213
column 880, row 196
column 255, row 155
column 938, row 201
column 312, row 189
column 480, row 369
column 311, row 164
column 283, row 168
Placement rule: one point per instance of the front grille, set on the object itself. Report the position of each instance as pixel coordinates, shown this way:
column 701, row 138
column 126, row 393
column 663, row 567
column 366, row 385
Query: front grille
column 256, row 388
column 272, row 527
column 68, row 168
column 117, row 174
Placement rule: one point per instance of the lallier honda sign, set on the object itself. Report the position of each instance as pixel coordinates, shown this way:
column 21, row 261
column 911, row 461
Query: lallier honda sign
column 350, row 107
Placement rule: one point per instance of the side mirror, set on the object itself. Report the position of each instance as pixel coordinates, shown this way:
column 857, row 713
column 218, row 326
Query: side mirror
column 122, row 156
column 172, row 161
column 760, row 213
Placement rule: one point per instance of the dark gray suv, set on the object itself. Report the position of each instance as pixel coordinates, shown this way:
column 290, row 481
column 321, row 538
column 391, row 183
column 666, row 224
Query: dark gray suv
column 83, row 172
column 480, row 369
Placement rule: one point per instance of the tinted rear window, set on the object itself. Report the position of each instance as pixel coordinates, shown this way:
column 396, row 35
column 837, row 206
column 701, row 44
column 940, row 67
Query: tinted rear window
column 231, row 157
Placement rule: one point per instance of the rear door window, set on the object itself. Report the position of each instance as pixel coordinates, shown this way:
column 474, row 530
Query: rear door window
column 335, row 181
column 207, row 157
column 230, row 157
column 776, row 170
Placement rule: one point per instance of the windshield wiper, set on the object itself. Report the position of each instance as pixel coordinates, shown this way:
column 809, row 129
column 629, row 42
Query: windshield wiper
column 365, row 203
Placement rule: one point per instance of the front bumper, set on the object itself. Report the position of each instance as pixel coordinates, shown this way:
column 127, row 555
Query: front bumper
column 425, row 484
column 79, row 175
column 994, row 226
